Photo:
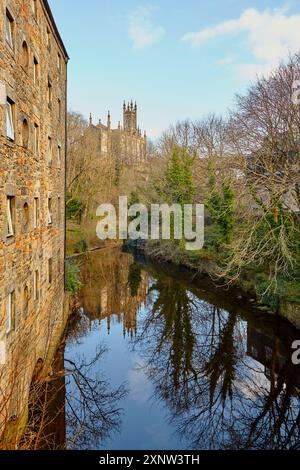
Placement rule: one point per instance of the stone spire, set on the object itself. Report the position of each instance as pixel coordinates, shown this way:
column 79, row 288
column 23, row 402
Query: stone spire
column 108, row 120
column 91, row 119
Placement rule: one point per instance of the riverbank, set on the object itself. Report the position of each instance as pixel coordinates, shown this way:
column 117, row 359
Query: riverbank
column 286, row 303
column 252, row 281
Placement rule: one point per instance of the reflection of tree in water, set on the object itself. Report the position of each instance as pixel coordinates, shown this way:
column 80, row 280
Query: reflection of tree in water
column 220, row 368
column 92, row 411
column 276, row 421
column 75, row 407
column 134, row 278
column 217, row 396
column 171, row 315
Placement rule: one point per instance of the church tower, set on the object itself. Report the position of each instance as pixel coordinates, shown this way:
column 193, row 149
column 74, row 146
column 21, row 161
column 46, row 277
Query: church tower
column 130, row 117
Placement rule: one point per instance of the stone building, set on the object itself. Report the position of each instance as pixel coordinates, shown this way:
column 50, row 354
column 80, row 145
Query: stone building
column 33, row 80
column 126, row 143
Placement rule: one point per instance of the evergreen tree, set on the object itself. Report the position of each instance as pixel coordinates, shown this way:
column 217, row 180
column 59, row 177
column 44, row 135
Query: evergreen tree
column 221, row 208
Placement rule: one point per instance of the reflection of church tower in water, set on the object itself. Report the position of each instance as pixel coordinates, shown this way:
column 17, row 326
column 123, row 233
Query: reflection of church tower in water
column 110, row 294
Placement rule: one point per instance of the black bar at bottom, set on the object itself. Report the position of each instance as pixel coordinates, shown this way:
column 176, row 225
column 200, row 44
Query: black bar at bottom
column 134, row 459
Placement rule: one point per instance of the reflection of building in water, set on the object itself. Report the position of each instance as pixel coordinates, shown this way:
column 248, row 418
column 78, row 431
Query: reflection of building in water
column 108, row 292
column 273, row 354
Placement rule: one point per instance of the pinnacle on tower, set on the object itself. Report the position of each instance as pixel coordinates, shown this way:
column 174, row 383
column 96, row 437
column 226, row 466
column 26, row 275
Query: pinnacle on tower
column 91, row 119
column 108, row 119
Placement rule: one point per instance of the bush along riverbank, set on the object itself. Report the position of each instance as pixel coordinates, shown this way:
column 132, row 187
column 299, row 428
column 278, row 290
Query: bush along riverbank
column 253, row 282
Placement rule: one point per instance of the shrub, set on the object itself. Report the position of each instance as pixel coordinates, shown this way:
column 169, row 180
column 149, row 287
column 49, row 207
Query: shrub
column 73, row 276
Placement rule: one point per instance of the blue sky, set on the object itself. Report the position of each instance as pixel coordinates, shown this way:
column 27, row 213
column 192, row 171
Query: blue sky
column 176, row 59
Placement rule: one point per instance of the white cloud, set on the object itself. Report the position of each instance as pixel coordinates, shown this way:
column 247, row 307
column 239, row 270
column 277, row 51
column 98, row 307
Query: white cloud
column 270, row 35
column 227, row 60
column 142, row 30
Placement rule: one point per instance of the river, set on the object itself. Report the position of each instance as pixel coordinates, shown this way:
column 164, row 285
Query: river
column 158, row 358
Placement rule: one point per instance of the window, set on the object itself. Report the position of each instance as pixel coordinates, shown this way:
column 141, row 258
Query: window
column 36, row 285
column 34, row 8
column 48, row 38
column 59, row 156
column 25, row 55
column 25, row 133
column 10, row 312
column 58, row 210
column 49, row 211
column 49, row 92
column 50, row 267
column 25, row 301
column 59, row 62
column 59, row 109
column 58, row 262
column 9, row 29
column 36, row 140
column 10, row 215
column 36, row 211
column 49, row 151
column 25, row 216
column 10, row 125
column 35, row 70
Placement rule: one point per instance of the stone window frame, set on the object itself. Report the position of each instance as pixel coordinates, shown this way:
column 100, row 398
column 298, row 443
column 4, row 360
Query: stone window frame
column 36, row 69
column 49, row 92
column 59, row 108
column 10, row 217
column 25, row 225
column 49, row 211
column 59, row 62
column 10, row 312
column 25, row 66
column 36, row 140
column 25, row 311
column 25, row 142
column 9, row 191
column 10, row 117
column 59, row 211
column 36, row 285
column 34, row 6
column 48, row 38
column 50, row 271
column 49, row 153
column 59, row 155
column 9, row 23
column 36, row 212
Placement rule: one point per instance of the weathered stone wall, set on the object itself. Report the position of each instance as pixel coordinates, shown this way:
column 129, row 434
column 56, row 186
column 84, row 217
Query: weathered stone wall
column 38, row 97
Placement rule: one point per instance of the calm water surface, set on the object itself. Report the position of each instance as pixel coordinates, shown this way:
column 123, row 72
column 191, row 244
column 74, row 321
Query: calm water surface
column 159, row 360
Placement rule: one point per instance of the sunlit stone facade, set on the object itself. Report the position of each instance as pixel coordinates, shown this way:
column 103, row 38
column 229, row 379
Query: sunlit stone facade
column 33, row 80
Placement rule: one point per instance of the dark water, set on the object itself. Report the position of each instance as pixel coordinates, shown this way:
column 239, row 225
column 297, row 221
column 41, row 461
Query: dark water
column 158, row 360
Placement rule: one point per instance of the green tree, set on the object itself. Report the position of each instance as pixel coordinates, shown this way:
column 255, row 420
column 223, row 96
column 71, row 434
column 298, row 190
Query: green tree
column 180, row 188
column 220, row 205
